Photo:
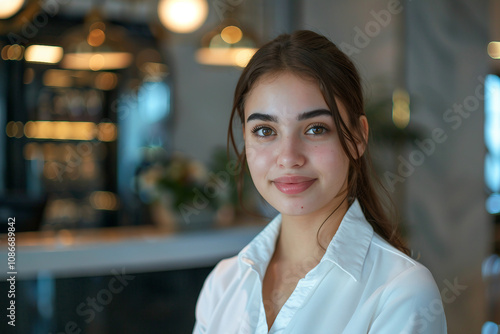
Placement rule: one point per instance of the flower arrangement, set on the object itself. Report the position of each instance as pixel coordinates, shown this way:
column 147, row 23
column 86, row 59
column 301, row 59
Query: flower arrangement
column 187, row 188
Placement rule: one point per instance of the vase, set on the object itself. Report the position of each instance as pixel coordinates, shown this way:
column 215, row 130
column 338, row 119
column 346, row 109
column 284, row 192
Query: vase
column 170, row 220
column 196, row 220
column 163, row 218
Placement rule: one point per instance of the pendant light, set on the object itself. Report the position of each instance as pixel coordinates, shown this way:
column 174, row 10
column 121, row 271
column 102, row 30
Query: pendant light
column 96, row 45
column 227, row 45
column 182, row 16
column 10, row 7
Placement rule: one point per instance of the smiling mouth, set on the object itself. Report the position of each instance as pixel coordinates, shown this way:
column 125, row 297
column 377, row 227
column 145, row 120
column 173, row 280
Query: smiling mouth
column 292, row 186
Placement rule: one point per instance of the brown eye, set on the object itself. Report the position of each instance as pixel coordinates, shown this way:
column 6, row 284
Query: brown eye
column 316, row 130
column 267, row 132
column 263, row 131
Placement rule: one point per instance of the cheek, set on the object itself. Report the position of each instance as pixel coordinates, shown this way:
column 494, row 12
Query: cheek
column 329, row 160
column 258, row 158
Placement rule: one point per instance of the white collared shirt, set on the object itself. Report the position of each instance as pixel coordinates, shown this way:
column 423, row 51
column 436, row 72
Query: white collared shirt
column 361, row 285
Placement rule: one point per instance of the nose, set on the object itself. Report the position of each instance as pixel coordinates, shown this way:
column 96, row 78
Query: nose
column 291, row 154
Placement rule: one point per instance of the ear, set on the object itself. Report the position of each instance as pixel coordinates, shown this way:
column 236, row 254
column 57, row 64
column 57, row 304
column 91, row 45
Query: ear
column 361, row 145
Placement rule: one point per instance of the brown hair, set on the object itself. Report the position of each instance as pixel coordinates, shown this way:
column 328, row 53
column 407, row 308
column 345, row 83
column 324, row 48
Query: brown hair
column 310, row 55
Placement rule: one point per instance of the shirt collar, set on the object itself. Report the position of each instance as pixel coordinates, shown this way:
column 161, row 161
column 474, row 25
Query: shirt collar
column 347, row 249
column 259, row 251
column 350, row 243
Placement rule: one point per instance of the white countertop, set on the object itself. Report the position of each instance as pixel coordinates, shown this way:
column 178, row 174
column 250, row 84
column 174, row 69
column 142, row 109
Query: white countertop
column 134, row 250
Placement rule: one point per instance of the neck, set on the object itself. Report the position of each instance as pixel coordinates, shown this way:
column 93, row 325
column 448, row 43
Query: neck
column 299, row 240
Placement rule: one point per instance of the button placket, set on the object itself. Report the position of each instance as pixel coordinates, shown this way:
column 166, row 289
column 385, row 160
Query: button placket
column 300, row 295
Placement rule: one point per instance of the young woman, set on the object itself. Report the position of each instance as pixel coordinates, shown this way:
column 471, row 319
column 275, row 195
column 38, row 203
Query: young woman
column 331, row 261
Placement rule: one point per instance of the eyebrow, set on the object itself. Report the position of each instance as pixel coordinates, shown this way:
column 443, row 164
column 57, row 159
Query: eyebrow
column 301, row 117
column 314, row 113
column 262, row 117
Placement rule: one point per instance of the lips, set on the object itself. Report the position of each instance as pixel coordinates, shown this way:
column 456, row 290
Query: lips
column 291, row 185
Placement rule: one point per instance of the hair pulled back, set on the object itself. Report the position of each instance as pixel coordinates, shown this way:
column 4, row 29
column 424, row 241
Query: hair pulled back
column 312, row 56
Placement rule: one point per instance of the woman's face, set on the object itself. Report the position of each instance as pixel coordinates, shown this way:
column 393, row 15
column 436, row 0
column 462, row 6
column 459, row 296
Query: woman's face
column 292, row 146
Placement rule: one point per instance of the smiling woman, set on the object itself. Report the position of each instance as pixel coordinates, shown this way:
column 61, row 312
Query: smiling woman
column 295, row 148
column 331, row 261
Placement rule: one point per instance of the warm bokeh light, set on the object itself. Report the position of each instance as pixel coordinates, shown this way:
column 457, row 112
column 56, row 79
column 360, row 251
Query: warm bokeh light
column 65, row 237
column 106, row 132
column 9, row 8
column 96, row 37
column 61, row 152
column 88, row 169
column 231, row 34
column 105, row 81
column 4, row 51
column 29, row 76
column 243, row 56
column 49, row 151
column 12, row 52
column 60, row 130
column 32, row 151
column 103, row 200
column 400, row 108
column 57, row 78
column 225, row 56
column 14, row 129
column 182, row 16
column 98, row 25
column 96, row 61
column 44, row 54
column 50, row 170
column 10, row 129
column 15, row 52
column 494, row 50
column 30, row 130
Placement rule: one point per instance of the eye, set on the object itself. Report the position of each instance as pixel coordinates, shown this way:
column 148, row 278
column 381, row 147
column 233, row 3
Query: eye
column 263, row 131
column 317, row 130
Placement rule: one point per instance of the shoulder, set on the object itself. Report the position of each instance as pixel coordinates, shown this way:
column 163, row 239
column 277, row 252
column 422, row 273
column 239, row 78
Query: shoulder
column 224, row 272
column 389, row 258
column 220, row 278
column 409, row 300
column 402, row 276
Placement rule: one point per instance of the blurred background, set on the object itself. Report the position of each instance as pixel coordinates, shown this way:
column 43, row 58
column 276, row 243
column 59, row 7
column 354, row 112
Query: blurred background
column 114, row 115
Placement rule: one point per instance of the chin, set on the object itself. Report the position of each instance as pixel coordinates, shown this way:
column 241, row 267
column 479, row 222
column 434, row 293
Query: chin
column 294, row 208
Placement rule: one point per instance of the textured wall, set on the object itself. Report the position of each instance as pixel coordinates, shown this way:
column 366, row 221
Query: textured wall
column 450, row 229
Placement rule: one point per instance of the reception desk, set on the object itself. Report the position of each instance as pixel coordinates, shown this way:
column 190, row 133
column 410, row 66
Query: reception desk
column 139, row 249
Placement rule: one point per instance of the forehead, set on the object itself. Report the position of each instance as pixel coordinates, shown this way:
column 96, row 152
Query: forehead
column 284, row 91
column 287, row 94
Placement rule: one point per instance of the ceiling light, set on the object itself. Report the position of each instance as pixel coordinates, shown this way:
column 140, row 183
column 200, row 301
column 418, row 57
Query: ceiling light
column 9, row 8
column 182, row 16
column 43, row 54
column 96, row 61
column 227, row 45
column 96, row 46
column 494, row 50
